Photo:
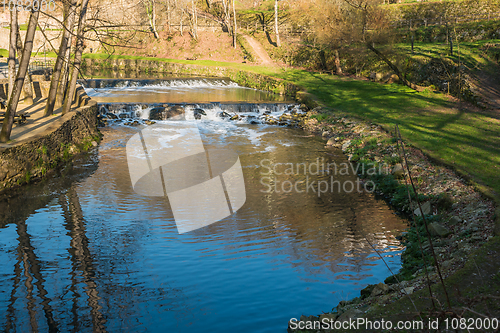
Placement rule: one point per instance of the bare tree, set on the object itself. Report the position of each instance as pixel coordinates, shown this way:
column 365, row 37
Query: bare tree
column 11, row 62
column 21, row 74
column 369, row 13
column 278, row 43
column 227, row 15
column 28, row 90
column 234, row 26
column 181, row 9
column 169, row 17
column 194, row 21
column 68, row 100
column 363, row 6
column 151, row 12
column 56, row 74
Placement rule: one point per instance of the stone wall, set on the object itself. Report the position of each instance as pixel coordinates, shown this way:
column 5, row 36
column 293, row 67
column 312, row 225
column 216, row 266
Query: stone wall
column 34, row 157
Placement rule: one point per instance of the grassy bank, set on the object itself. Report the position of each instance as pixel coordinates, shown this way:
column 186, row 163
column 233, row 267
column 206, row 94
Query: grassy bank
column 210, row 63
column 464, row 139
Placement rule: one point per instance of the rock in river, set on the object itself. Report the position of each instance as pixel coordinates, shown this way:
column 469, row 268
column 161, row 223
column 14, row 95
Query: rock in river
column 380, row 289
column 175, row 112
column 198, row 113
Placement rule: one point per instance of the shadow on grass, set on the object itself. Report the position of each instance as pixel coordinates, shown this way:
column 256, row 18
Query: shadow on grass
column 462, row 138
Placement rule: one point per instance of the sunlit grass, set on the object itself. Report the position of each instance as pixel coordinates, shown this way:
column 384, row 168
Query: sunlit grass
column 211, row 63
column 468, row 141
column 471, row 54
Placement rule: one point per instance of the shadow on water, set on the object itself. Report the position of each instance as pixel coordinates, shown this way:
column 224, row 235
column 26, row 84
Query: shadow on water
column 54, row 277
column 15, row 209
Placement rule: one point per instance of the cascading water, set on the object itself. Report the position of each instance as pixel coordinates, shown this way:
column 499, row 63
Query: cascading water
column 194, row 90
column 160, row 84
column 251, row 113
column 113, row 97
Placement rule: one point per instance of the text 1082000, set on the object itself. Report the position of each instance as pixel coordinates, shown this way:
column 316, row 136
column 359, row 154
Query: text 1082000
column 29, row 5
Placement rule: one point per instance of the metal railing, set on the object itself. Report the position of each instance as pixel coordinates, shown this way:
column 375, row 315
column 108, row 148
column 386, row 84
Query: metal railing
column 36, row 66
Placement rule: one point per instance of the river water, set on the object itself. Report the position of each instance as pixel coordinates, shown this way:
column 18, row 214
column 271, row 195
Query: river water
column 83, row 252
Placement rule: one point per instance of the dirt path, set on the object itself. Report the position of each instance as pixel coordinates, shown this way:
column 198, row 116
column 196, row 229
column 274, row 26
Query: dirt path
column 259, row 51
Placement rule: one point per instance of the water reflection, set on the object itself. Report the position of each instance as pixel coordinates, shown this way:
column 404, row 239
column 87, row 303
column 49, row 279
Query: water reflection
column 83, row 252
column 81, row 259
column 29, row 274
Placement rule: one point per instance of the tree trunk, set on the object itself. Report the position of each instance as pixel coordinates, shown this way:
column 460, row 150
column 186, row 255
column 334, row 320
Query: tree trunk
column 195, row 21
column 68, row 100
column 390, row 64
column 169, row 17
column 56, row 74
column 278, row 43
column 227, row 15
column 365, row 20
column 234, row 28
column 28, row 89
column 151, row 12
column 182, row 14
column 11, row 62
column 21, row 74
column 153, row 18
column 63, row 84
column 338, row 68
column 322, row 59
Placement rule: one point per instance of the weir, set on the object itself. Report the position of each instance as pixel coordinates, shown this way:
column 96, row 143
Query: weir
column 215, row 99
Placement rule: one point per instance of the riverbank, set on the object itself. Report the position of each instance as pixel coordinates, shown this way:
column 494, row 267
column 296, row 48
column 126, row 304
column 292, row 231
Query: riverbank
column 39, row 146
column 461, row 222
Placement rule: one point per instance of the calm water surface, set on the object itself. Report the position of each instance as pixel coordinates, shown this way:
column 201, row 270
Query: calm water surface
column 82, row 252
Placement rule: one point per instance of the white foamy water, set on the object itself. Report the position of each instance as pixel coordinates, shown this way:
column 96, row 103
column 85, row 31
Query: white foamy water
column 174, row 91
column 243, row 113
column 129, row 86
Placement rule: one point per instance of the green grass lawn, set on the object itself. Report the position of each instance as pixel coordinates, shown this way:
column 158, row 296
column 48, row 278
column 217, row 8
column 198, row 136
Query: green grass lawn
column 5, row 53
column 474, row 55
column 468, row 141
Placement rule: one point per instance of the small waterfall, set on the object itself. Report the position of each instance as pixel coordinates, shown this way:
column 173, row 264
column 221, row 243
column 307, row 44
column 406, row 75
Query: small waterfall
column 204, row 99
column 252, row 113
column 157, row 83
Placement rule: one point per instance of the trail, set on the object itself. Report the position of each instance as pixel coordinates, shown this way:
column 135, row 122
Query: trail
column 259, row 51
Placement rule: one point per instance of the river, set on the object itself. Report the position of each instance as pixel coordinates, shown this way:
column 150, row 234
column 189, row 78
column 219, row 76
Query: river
column 84, row 252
